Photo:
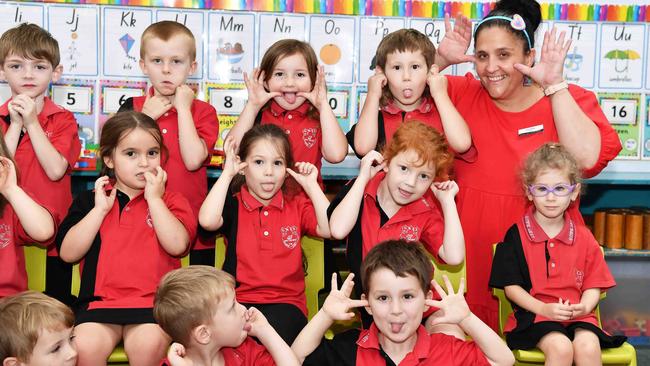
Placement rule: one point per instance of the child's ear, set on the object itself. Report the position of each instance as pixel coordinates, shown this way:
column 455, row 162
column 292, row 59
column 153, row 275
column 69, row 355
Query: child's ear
column 428, row 296
column 142, row 67
column 528, row 195
column 368, row 309
column 108, row 161
column 201, row 334
column 576, row 192
column 10, row 361
column 193, row 67
column 56, row 73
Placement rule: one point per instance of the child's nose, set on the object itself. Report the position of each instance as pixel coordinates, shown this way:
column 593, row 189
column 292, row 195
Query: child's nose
column 71, row 352
column 396, row 307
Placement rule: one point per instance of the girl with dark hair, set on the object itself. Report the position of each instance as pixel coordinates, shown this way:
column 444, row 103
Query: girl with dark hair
column 262, row 219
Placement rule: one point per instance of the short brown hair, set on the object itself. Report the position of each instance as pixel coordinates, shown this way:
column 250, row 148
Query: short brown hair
column 429, row 144
column 188, row 297
column 24, row 316
column 403, row 40
column 31, row 42
column 289, row 47
column 402, row 258
column 551, row 155
column 118, row 125
column 165, row 30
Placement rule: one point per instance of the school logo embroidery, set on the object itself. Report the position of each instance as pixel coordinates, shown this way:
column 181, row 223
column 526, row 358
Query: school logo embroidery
column 309, row 136
column 580, row 276
column 5, row 236
column 290, row 236
column 410, row 233
column 149, row 220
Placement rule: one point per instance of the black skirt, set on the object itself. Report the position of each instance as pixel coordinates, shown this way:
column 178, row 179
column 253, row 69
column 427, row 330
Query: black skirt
column 529, row 337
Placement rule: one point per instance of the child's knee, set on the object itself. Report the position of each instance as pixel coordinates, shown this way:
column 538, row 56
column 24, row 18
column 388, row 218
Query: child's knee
column 557, row 346
column 586, row 344
column 146, row 339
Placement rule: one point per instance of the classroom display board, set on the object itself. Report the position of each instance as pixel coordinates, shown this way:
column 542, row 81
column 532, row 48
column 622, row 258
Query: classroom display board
column 100, row 52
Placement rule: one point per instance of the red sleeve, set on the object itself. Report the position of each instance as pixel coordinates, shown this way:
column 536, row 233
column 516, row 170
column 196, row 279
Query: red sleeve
column 65, row 137
column 466, row 353
column 308, row 220
column 433, row 232
column 457, row 86
column 22, row 238
column 180, row 208
column 206, row 122
column 610, row 144
column 254, row 354
column 597, row 274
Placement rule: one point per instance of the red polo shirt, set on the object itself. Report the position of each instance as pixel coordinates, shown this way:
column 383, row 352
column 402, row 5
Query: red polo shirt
column 304, row 133
column 429, row 349
column 192, row 184
column 263, row 247
column 249, row 353
column 60, row 127
column 391, row 117
column 560, row 267
column 125, row 262
column 13, row 277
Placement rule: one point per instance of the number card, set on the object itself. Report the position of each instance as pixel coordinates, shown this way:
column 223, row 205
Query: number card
column 228, row 101
column 372, row 31
column 76, row 99
column 193, row 20
column 114, row 93
column 362, row 93
column 333, row 39
column 76, row 28
column 5, row 93
column 622, row 110
column 339, row 100
column 621, row 55
column 13, row 14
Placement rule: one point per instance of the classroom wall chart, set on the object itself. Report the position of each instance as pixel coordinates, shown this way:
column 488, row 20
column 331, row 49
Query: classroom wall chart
column 100, row 51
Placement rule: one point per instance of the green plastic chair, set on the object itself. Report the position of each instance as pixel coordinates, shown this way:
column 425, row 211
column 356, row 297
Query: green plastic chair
column 313, row 248
column 35, row 262
column 455, row 273
column 623, row 355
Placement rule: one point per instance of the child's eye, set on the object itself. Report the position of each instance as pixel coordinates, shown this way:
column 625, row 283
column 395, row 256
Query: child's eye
column 415, row 67
column 301, row 74
column 156, row 60
column 56, row 348
column 278, row 162
column 503, row 54
column 16, row 66
column 382, row 297
column 153, row 153
column 559, row 189
column 258, row 162
column 408, row 296
column 278, row 74
column 403, row 168
column 424, row 176
column 130, row 153
column 396, row 67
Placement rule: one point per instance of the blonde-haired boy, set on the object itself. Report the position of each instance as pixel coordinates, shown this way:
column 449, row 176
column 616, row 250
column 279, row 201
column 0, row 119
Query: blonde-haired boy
column 189, row 126
column 196, row 306
column 36, row 330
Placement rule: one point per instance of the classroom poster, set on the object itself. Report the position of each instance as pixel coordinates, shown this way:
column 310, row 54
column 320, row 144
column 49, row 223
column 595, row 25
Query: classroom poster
column 622, row 55
column 646, row 129
column 231, row 46
column 76, row 28
column 435, row 30
column 580, row 62
column 372, row 31
column 274, row 27
column 333, row 38
column 13, row 14
column 122, row 30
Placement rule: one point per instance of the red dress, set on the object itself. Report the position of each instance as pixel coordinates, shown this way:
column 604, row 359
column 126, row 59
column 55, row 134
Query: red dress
column 491, row 197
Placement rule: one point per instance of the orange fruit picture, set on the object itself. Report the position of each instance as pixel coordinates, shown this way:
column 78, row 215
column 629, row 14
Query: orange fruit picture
column 330, row 54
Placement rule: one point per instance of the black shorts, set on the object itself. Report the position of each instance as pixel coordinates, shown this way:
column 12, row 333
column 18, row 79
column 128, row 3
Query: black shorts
column 115, row 316
column 286, row 319
column 530, row 337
